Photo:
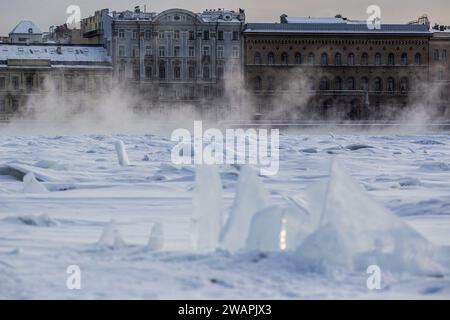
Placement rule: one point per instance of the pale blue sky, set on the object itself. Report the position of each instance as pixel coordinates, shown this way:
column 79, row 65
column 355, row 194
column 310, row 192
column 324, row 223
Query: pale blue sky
column 53, row 12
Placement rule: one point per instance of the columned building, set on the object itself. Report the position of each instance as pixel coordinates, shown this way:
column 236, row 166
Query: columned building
column 179, row 57
column 335, row 68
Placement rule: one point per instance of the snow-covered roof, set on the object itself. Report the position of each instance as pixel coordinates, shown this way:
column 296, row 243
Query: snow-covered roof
column 24, row 27
column 314, row 20
column 54, row 53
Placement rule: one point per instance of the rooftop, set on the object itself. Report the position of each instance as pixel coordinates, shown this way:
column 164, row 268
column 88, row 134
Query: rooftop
column 26, row 27
column 336, row 27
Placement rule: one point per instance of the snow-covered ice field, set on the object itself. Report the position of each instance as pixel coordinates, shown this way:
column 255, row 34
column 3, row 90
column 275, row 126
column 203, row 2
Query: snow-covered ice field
column 42, row 234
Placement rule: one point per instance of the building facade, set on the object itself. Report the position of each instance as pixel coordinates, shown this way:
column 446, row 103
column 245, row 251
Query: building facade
column 32, row 72
column 25, row 32
column 334, row 68
column 177, row 56
column 440, row 72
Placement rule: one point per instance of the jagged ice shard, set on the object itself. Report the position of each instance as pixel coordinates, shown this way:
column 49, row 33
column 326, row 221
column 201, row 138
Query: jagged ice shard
column 251, row 196
column 32, row 185
column 352, row 232
column 111, row 237
column 206, row 220
column 122, row 153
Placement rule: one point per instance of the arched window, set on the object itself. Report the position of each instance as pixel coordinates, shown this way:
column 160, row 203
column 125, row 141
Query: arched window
column 324, row 84
column 177, row 72
column 324, row 59
column 404, row 59
column 377, row 60
column 311, row 59
column 257, row 58
column 162, row 71
column 284, row 58
column 351, row 83
column 391, row 59
column 270, row 83
column 364, row 59
column 404, row 85
column 257, row 85
column 377, row 85
column 297, row 58
column 351, row 59
column 338, row 59
column 390, row 84
column 338, row 83
column 364, row 84
column 418, row 59
column 270, row 58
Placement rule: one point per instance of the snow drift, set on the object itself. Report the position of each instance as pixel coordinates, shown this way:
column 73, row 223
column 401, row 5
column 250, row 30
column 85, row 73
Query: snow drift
column 111, row 237
column 31, row 185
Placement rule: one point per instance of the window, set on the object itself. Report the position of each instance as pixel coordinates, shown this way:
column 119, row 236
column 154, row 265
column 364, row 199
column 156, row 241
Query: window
column 270, row 83
column 206, row 35
column 177, row 72
column 2, row 106
column 235, row 35
column 257, row 59
column 148, row 51
column 351, row 59
column 297, row 58
column 324, row 84
column 377, row 85
column 15, row 82
column 15, row 104
column 29, row 83
column 364, row 84
column 257, row 84
column 176, row 34
column 377, row 60
column 135, row 52
column 284, row 58
column 161, row 35
column 205, row 51
column 436, row 54
column 176, row 51
column 220, row 52
column 136, row 73
column 206, row 73
column 390, row 84
column 391, row 59
column 404, row 85
column 338, row 59
column 440, row 75
column 135, row 34
column 404, row 59
column 220, row 35
column 148, row 72
column 162, row 51
column 235, row 52
column 220, row 72
column 364, row 59
column 324, row 59
column 68, row 82
column 270, row 58
column 191, row 35
column 162, row 71
column 2, row 83
column 311, row 59
column 444, row 54
column 148, row 34
column 191, row 72
column 351, row 83
column 338, row 83
column 191, row 52
column 418, row 59
column 121, row 33
column 121, row 51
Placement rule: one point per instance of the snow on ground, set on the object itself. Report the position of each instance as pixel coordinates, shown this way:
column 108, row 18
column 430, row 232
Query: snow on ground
column 41, row 234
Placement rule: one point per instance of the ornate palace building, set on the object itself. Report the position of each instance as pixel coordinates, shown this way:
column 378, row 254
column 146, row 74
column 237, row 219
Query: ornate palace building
column 178, row 57
column 334, row 68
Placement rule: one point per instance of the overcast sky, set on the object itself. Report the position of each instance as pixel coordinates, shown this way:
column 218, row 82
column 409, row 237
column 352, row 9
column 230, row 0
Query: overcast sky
column 53, row 12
